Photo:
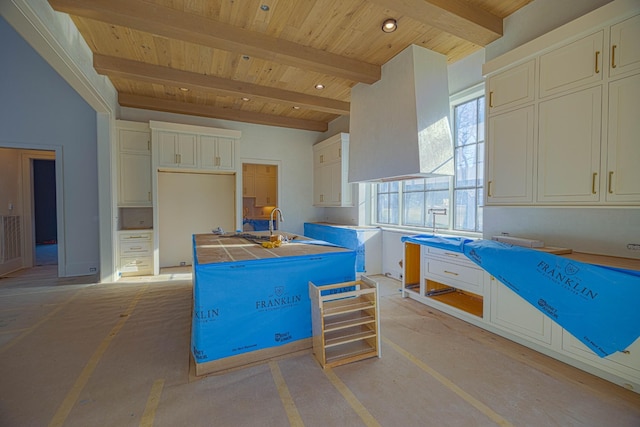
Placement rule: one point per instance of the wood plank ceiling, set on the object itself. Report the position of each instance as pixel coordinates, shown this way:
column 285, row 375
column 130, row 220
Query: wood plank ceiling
column 259, row 61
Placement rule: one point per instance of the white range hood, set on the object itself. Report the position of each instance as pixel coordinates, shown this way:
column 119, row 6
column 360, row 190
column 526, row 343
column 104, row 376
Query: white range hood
column 399, row 126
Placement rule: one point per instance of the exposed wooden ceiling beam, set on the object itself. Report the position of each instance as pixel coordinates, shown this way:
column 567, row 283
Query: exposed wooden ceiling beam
column 156, row 104
column 196, row 29
column 149, row 73
column 456, row 17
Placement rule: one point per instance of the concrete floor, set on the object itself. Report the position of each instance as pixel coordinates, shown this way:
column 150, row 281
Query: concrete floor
column 77, row 354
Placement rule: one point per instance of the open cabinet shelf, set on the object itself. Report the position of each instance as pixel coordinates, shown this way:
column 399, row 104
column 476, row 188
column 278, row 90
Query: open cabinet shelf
column 345, row 319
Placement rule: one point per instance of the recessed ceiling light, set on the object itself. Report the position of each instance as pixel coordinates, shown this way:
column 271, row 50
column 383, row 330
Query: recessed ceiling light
column 295, row 107
column 245, row 57
column 184, row 89
column 319, row 86
column 389, row 25
column 264, row 7
column 245, row 99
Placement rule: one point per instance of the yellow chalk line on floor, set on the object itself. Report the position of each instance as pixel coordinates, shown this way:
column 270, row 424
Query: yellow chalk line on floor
column 52, row 313
column 152, row 404
column 450, row 385
column 70, row 400
column 351, row 399
column 287, row 401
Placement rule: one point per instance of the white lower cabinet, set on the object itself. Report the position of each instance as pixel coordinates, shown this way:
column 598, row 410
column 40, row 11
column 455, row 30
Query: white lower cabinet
column 509, row 311
column 135, row 252
column 450, row 282
column 625, row 364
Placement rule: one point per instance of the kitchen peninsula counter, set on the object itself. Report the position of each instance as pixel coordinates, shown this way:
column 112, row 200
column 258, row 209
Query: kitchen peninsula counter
column 251, row 303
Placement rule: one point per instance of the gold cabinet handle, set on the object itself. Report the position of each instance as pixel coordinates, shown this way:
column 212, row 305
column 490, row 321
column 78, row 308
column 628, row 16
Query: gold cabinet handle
column 489, row 189
column 597, row 57
column 451, row 254
column 491, row 99
column 321, row 158
column 451, row 272
column 149, row 195
column 613, row 56
column 610, row 179
column 593, row 182
column 339, row 153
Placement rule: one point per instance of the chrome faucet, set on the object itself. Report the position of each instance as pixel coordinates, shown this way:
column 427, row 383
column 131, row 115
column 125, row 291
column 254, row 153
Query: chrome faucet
column 271, row 220
column 434, row 212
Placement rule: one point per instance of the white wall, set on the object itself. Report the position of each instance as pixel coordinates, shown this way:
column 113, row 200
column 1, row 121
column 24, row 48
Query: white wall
column 289, row 146
column 537, row 18
column 39, row 110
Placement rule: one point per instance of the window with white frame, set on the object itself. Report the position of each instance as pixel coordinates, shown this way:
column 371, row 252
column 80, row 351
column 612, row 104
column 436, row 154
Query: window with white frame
column 445, row 203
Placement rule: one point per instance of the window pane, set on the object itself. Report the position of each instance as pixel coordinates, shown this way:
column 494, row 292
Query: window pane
column 413, row 185
column 465, row 210
column 383, row 208
column 438, row 183
column 394, row 215
column 383, row 187
column 394, row 186
column 466, row 123
column 466, row 166
column 414, row 209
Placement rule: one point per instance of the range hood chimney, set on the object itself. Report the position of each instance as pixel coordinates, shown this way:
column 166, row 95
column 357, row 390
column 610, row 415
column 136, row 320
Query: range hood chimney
column 399, row 126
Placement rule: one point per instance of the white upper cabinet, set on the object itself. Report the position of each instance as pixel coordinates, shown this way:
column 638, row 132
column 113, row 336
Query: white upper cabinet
column 625, row 54
column 330, row 172
column 623, row 141
column 569, row 147
column 134, row 164
column 194, row 147
column 511, row 88
column 177, row 150
column 510, row 157
column 576, row 64
column 216, row 153
column 579, row 144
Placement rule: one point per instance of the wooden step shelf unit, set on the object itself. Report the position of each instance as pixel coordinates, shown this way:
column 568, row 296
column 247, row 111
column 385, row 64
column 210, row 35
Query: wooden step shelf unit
column 345, row 321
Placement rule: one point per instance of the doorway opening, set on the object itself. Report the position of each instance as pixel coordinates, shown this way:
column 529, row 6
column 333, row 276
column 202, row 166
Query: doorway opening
column 259, row 195
column 45, row 222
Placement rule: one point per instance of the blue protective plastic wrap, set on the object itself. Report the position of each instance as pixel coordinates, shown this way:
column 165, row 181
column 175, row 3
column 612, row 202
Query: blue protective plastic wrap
column 245, row 306
column 598, row 305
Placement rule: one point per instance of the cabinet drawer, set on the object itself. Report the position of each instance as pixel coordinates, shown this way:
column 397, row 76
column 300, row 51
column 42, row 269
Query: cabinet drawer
column 135, row 237
column 457, row 275
column 132, row 266
column 446, row 255
column 135, row 248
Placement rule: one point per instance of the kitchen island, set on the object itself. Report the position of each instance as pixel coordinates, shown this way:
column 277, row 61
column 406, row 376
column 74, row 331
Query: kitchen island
column 251, row 303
